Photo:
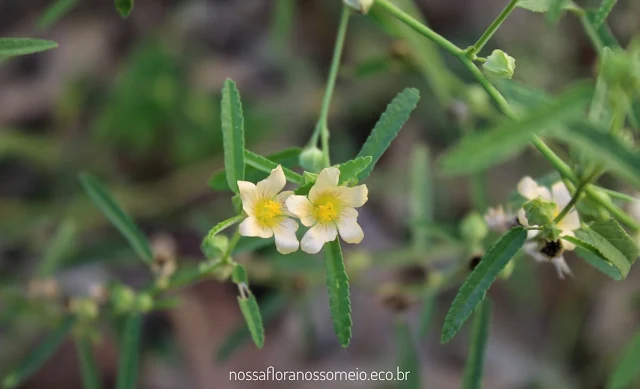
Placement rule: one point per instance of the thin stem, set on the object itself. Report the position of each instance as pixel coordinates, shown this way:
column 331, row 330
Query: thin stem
column 471, row 51
column 574, row 199
column 616, row 194
column 232, row 245
column 322, row 127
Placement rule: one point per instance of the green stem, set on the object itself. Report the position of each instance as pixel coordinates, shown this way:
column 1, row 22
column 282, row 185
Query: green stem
column 232, row 245
column 322, row 126
column 574, row 199
column 471, row 51
column 615, row 194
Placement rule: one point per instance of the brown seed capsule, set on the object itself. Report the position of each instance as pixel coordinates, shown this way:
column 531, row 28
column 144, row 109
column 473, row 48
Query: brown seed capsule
column 552, row 249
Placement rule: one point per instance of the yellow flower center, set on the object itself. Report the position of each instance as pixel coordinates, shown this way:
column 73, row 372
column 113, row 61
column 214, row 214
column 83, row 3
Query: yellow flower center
column 267, row 212
column 327, row 208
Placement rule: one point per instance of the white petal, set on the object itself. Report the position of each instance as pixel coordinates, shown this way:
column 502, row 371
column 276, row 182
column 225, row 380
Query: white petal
column 327, row 179
column 565, row 243
column 282, row 199
column 317, row 236
column 251, row 227
column 248, row 195
column 354, row 197
column 570, row 222
column 348, row 226
column 528, row 188
column 272, row 185
column 302, row 208
column 634, row 209
column 561, row 195
column 522, row 218
column 543, row 193
column 533, row 250
column 285, row 233
column 561, row 267
column 531, row 234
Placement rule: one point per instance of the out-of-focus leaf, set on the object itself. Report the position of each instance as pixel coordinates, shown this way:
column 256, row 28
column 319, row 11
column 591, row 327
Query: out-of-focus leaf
column 338, row 287
column 476, row 285
column 54, row 13
column 59, row 247
column 124, row 7
column 475, row 359
column 595, row 260
column 626, row 372
column 421, row 196
column 130, row 353
column 350, row 169
column 261, row 163
column 387, row 127
column 428, row 305
column 232, row 134
column 408, row 360
column 251, row 313
column 11, row 47
column 88, row 368
column 117, row 216
column 541, row 5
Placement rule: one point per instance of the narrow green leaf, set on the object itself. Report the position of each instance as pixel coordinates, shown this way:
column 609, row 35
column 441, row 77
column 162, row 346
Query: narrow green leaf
column 271, row 307
column 475, row 360
column 40, row 355
column 626, row 372
column 597, row 244
column 130, row 353
column 287, row 158
column 59, row 247
column 594, row 259
column 421, row 196
column 117, row 216
column 261, row 163
column 232, row 134
column 209, row 245
column 124, row 7
column 476, row 285
column 350, row 169
column 408, row 359
column 239, row 275
column 88, row 368
column 482, row 150
column 338, row 287
column 428, row 305
column 54, row 13
column 251, row 313
column 601, row 14
column 387, row 127
column 618, row 237
column 11, row 47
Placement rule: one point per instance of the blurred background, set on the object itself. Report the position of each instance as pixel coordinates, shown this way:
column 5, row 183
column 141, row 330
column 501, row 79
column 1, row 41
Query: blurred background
column 135, row 102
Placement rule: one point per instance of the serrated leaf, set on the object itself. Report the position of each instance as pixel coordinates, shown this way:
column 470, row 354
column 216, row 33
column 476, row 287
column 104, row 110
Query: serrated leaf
column 626, row 372
column 408, row 360
column 129, row 361
column 597, row 244
column 208, row 246
column 54, row 13
column 475, row 360
column 618, row 237
column 251, row 313
column 88, row 368
column 117, row 216
column 476, row 285
column 232, row 134
column 124, row 7
column 271, row 307
column 287, row 158
column 601, row 14
column 387, row 127
column 261, row 163
column 11, row 47
column 40, row 355
column 58, row 248
column 482, row 150
column 338, row 288
column 595, row 260
column 350, row 169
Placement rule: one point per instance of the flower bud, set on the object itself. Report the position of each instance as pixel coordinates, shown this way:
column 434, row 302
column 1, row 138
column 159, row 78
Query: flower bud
column 144, row 303
column 473, row 228
column 500, row 64
column 362, row 6
column 122, row 298
column 311, row 159
column 214, row 246
column 539, row 212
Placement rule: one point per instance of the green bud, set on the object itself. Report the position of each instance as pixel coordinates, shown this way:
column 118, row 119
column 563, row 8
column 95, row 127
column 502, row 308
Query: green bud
column 144, row 303
column 123, row 298
column 619, row 69
column 500, row 64
column 311, row 159
column 473, row 228
column 550, row 233
column 362, row 6
column 539, row 212
column 215, row 246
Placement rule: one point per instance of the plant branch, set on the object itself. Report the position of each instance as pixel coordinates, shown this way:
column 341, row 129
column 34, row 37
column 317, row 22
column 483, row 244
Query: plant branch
column 471, row 51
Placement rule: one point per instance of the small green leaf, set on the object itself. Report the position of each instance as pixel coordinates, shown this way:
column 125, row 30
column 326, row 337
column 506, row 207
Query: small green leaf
column 271, row 307
column 11, row 47
column 40, row 355
column 210, row 246
column 117, row 216
column 594, row 259
column 387, row 127
column 54, row 13
column 476, row 285
column 338, row 287
column 350, row 169
column 59, row 247
column 88, row 368
column 261, row 163
column 592, row 241
column 408, row 360
column 626, row 372
column 482, row 150
column 130, row 353
column 475, row 360
column 251, row 313
column 287, row 158
column 232, row 134
column 124, row 7
column 601, row 14
column 239, row 275
column 428, row 305
column 618, row 237
column 421, row 196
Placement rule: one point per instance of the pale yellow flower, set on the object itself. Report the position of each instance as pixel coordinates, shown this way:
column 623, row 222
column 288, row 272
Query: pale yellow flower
column 329, row 210
column 267, row 213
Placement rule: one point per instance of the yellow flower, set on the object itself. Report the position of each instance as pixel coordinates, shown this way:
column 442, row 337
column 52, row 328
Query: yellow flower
column 329, row 210
column 267, row 213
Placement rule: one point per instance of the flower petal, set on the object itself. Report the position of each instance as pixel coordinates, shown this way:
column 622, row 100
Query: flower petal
column 528, row 188
column 565, row 243
column 282, row 199
column 327, row 179
column 251, row 227
column 560, row 194
column 302, row 208
column 522, row 218
column 561, row 267
column 248, row 195
column 317, row 236
column 570, row 222
column 272, row 185
column 348, row 226
column 285, row 233
column 354, row 197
